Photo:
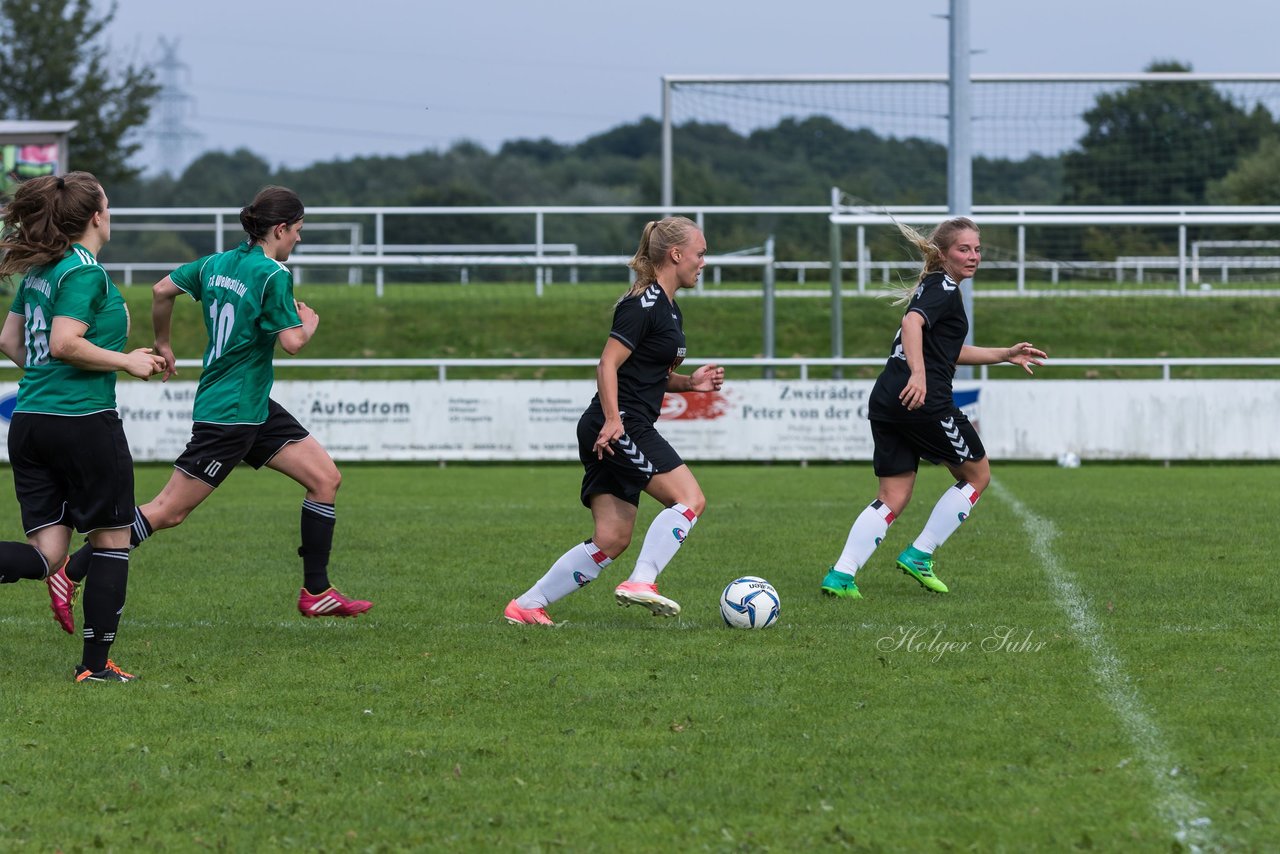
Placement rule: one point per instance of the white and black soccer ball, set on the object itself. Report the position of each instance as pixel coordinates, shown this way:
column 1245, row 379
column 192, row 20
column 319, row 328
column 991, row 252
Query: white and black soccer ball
column 750, row 603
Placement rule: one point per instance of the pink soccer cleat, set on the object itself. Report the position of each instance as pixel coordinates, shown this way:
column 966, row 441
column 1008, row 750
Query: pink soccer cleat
column 330, row 603
column 518, row 616
column 638, row 593
column 62, row 595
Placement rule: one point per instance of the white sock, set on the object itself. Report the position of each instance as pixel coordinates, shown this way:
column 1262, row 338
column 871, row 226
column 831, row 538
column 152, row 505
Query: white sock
column 952, row 508
column 662, row 541
column 867, row 532
column 576, row 568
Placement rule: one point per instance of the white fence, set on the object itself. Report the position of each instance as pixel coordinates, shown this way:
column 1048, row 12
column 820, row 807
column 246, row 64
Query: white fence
column 380, row 254
column 1066, row 217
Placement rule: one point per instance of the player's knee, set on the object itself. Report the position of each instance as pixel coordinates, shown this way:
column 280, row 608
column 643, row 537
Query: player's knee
column 332, row 480
column 896, row 501
column 53, row 557
column 979, row 477
column 612, row 544
column 322, row 484
column 110, row 538
column 696, row 503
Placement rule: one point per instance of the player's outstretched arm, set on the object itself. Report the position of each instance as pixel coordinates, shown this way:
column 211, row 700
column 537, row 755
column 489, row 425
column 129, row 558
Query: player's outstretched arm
column 1023, row 354
column 706, row 378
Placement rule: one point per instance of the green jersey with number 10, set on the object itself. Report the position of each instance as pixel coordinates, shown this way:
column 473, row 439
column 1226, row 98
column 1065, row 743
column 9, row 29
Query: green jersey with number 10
column 247, row 300
column 75, row 287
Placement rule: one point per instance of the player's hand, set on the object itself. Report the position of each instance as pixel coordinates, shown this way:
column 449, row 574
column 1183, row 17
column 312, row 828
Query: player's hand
column 143, row 363
column 1024, row 355
column 707, row 378
column 912, row 397
column 165, row 351
column 310, row 319
column 609, row 433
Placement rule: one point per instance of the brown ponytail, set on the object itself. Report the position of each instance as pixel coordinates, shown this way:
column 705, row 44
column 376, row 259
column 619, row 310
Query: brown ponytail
column 45, row 216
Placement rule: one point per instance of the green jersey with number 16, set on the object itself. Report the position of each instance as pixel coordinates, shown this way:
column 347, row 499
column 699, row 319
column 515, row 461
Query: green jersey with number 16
column 247, row 300
column 75, row 287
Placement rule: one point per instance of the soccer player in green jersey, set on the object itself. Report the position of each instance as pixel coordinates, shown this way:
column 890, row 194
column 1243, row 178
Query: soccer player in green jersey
column 67, row 328
column 246, row 297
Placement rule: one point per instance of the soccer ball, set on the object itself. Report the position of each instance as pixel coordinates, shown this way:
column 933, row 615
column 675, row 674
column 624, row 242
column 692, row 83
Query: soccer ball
column 749, row 603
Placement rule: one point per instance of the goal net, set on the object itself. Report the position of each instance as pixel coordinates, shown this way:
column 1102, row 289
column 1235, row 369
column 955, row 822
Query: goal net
column 1167, row 139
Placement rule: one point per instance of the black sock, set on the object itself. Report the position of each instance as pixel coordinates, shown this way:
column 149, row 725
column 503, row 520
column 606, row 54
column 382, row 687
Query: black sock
column 78, row 566
column 103, row 601
column 21, row 560
column 317, row 540
column 141, row 529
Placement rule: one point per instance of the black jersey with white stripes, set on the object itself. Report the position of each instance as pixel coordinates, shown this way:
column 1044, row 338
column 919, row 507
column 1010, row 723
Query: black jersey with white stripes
column 938, row 301
column 651, row 326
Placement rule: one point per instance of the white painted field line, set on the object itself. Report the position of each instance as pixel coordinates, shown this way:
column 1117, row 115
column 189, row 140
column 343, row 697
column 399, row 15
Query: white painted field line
column 1176, row 802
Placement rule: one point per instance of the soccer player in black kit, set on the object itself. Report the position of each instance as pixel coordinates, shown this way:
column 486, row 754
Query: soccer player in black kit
column 914, row 417
column 622, row 454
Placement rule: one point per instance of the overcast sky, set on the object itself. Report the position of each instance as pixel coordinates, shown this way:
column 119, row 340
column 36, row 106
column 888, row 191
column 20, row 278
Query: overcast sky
column 300, row 81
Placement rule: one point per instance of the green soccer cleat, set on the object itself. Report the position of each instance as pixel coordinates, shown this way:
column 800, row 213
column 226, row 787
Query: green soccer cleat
column 919, row 565
column 840, row 584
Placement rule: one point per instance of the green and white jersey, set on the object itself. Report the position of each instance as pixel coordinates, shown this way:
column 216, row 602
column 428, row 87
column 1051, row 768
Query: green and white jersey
column 247, row 300
column 75, row 287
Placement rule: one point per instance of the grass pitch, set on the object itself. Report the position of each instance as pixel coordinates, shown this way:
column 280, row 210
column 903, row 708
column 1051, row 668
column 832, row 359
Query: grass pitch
column 1095, row 679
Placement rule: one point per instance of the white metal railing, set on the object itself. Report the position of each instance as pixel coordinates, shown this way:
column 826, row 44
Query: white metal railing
column 1023, row 217
column 1166, row 364
column 765, row 262
column 464, row 277
column 372, row 223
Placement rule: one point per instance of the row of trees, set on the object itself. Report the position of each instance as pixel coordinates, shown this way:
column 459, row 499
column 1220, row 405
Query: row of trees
column 1146, row 144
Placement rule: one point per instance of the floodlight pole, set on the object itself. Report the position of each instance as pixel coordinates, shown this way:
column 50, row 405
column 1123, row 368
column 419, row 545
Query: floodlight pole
column 960, row 148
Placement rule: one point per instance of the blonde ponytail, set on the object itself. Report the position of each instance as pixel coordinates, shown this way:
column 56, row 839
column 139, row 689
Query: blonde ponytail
column 658, row 238
column 933, row 250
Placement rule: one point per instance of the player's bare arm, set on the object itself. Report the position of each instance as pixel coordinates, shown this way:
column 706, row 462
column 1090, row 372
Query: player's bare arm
column 913, row 394
column 11, row 340
column 614, row 354
column 706, row 378
column 68, row 344
column 1023, row 354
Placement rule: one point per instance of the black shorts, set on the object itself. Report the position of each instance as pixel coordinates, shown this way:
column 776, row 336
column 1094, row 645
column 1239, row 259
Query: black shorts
column 216, row 449
column 947, row 438
column 637, row 456
column 72, row 470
